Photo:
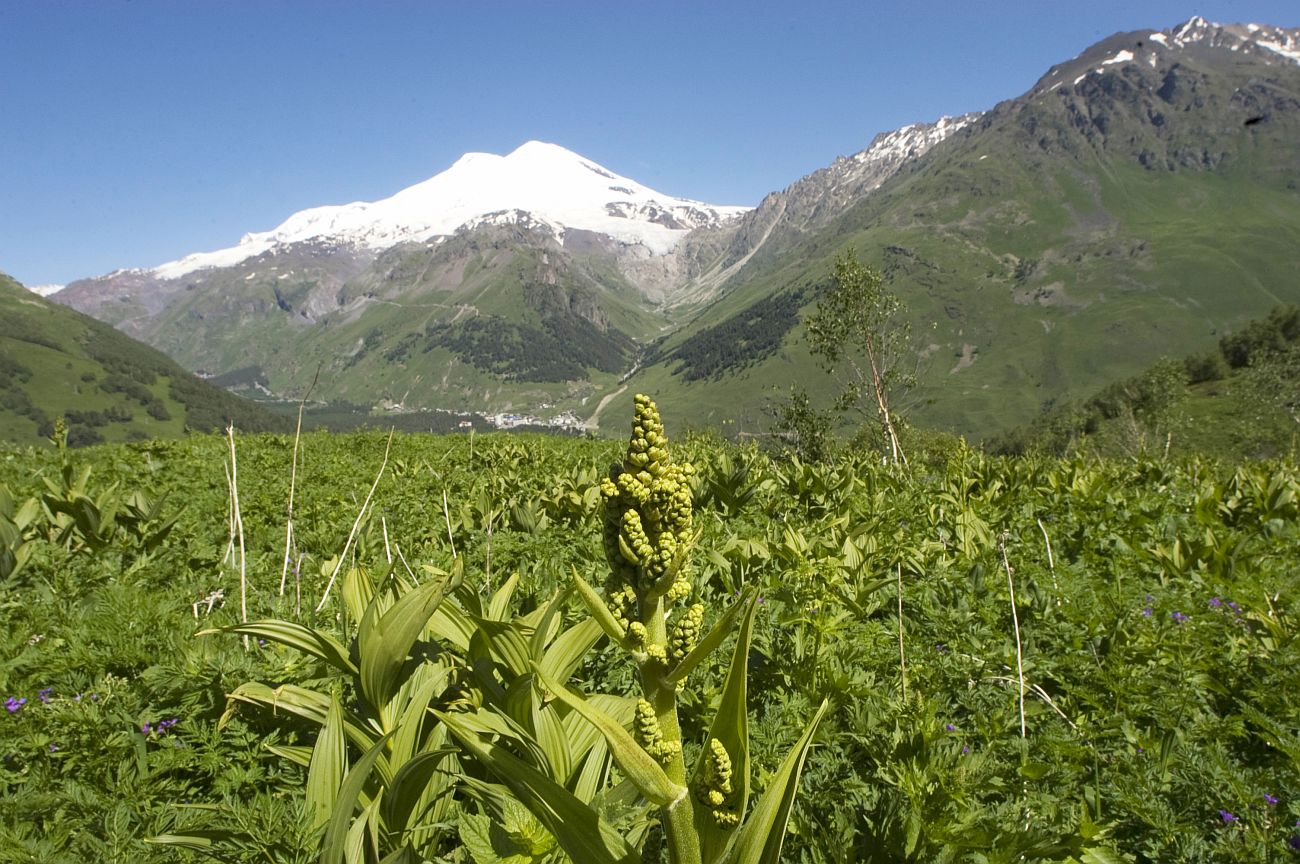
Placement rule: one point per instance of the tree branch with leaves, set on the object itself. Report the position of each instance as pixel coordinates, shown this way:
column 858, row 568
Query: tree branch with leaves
column 858, row 334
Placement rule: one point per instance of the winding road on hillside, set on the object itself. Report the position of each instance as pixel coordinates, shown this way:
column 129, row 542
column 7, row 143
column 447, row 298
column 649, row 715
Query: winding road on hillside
column 592, row 422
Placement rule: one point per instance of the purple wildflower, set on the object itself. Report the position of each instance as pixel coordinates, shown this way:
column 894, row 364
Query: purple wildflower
column 14, row 704
column 1179, row 617
column 145, row 728
column 1216, row 603
column 54, row 748
column 951, row 728
column 1270, row 800
column 1234, row 607
column 45, row 695
column 1146, row 612
column 941, row 648
column 1294, row 842
column 1227, row 817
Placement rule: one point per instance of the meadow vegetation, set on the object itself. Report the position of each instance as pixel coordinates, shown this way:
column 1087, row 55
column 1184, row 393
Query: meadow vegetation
column 1025, row 658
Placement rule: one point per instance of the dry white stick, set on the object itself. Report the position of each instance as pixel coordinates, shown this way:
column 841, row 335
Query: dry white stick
column 446, row 514
column 343, row 556
column 293, row 480
column 1015, row 621
column 902, row 657
column 388, row 552
column 402, row 558
column 1051, row 562
column 239, row 523
column 487, row 567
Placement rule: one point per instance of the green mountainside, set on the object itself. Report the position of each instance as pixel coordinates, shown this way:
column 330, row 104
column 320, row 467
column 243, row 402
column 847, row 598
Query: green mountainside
column 55, row 362
column 1065, row 240
column 1241, row 399
column 498, row 316
column 1142, row 200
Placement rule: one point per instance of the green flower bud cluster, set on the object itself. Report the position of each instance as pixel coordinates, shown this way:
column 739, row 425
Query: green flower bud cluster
column 686, row 633
column 650, row 736
column 715, row 786
column 647, row 502
column 621, row 600
column 680, row 590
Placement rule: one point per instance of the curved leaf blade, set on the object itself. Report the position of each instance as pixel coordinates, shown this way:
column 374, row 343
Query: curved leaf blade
column 577, row 827
column 314, row 643
column 759, row 841
column 731, row 727
column 639, row 766
column 385, row 644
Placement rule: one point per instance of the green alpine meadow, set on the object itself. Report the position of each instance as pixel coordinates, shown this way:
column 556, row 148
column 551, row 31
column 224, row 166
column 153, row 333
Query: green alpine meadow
column 943, row 507
column 371, row 647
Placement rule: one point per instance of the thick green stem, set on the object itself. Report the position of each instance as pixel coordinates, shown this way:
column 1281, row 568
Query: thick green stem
column 678, row 818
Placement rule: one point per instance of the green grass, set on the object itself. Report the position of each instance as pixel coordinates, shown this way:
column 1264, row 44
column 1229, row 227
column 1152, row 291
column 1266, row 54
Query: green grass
column 1155, row 722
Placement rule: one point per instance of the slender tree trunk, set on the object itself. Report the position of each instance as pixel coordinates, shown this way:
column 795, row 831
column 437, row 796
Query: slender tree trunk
column 882, row 404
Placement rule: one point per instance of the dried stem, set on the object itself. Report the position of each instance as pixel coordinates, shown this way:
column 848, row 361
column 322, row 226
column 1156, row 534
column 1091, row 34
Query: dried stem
column 1051, row 562
column 343, row 556
column 446, row 514
column 293, row 481
column 237, row 522
column 1015, row 621
column 902, row 657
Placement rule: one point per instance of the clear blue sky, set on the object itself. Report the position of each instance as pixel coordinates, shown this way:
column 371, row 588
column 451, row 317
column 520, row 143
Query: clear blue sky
column 133, row 132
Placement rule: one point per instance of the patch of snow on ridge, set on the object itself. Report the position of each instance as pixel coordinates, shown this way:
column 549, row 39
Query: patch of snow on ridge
column 912, row 140
column 1288, row 51
column 542, row 182
column 1121, row 57
column 44, row 290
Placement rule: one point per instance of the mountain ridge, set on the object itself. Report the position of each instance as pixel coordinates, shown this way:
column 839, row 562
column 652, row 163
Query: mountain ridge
column 1048, row 222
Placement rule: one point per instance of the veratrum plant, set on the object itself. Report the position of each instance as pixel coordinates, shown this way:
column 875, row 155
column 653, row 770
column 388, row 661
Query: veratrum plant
column 647, row 611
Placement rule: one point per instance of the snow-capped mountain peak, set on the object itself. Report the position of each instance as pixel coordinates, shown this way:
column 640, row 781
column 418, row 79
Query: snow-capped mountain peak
column 542, row 183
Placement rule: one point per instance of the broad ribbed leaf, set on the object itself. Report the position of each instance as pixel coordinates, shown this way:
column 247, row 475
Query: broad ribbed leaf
column 550, row 737
column 329, row 762
column 384, row 644
column 304, row 703
column 320, row 645
column 582, row 736
column 577, row 827
column 731, row 727
column 334, row 845
column 417, row 776
column 500, row 603
column 507, row 644
column 429, row 680
column 451, row 624
column 760, row 839
column 299, row 701
column 296, row 754
column 639, row 766
column 358, row 592
column 568, row 649
column 363, row 828
column 712, row 639
column 201, row 839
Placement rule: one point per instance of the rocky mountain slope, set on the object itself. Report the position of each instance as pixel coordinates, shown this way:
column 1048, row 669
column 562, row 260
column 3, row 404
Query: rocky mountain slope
column 1140, row 199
